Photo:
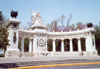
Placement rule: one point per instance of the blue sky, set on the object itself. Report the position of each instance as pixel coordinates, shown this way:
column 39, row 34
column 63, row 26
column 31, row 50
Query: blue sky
column 82, row 10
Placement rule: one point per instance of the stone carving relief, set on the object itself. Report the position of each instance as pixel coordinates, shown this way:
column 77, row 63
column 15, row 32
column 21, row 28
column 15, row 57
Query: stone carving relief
column 41, row 42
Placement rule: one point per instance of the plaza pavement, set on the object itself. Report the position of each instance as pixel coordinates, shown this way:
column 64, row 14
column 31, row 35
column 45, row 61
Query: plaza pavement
column 43, row 61
column 48, row 58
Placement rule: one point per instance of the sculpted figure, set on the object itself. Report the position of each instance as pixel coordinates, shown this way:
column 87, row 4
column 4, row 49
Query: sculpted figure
column 14, row 14
column 89, row 25
column 37, row 18
column 37, row 14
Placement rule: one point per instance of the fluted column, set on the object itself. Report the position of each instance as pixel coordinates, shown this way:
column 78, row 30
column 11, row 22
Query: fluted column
column 79, row 44
column 30, row 45
column 71, row 45
column 22, row 45
column 54, row 47
column 62, row 45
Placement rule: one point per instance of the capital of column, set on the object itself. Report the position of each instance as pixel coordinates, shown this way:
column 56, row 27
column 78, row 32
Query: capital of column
column 30, row 39
column 70, row 38
column 62, row 39
column 22, row 38
column 85, row 37
column 53, row 39
column 78, row 38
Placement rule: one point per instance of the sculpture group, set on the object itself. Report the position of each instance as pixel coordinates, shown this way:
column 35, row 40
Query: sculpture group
column 38, row 36
column 36, row 17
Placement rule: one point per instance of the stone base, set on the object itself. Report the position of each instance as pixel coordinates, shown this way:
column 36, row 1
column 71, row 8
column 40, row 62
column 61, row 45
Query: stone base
column 43, row 53
column 76, row 53
column 28, row 54
column 92, row 53
column 12, row 53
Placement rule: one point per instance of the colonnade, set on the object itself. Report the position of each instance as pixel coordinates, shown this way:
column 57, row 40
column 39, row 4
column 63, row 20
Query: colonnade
column 30, row 45
column 54, row 45
column 71, row 45
column 31, row 42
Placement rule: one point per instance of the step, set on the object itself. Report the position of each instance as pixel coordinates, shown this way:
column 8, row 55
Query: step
column 66, row 53
column 28, row 54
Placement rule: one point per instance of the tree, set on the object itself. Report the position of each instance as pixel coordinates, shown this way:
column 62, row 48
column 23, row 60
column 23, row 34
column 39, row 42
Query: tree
column 3, row 20
column 70, row 16
column 83, row 44
column 49, row 44
column 61, row 19
column 3, row 38
column 26, row 44
column 3, row 32
column 53, row 25
column 97, row 38
column 72, row 27
column 67, row 44
column 58, row 44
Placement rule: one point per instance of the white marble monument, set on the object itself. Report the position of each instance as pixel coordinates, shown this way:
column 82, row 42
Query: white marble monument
column 13, row 26
column 38, row 36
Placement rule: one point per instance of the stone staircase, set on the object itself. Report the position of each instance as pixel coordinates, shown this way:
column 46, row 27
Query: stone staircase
column 28, row 54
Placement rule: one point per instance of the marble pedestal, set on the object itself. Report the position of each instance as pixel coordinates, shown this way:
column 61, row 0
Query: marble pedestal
column 12, row 53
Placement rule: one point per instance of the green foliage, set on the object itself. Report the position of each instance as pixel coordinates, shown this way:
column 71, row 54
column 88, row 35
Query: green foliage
column 97, row 38
column 72, row 26
column 3, row 38
column 50, row 45
column 26, row 44
column 79, row 25
column 66, row 45
column 83, row 44
column 58, row 45
column 19, row 44
column 75, row 44
column 3, row 32
column 3, row 20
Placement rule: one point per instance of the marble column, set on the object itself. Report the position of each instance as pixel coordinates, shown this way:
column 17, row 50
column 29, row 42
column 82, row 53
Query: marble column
column 62, row 45
column 33, row 45
column 71, row 45
column 79, row 44
column 86, row 43
column 30, row 45
column 54, row 47
column 46, row 44
column 94, row 44
column 22, row 45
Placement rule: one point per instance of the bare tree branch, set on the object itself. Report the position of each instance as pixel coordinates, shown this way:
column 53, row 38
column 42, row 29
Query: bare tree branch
column 70, row 16
column 62, row 20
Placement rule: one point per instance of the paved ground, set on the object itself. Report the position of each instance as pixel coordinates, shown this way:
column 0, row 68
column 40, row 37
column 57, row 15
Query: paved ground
column 36, row 61
column 94, row 66
column 30, row 59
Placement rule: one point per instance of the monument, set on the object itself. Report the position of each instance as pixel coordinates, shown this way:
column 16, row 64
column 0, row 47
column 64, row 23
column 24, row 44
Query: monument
column 38, row 36
column 13, row 36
